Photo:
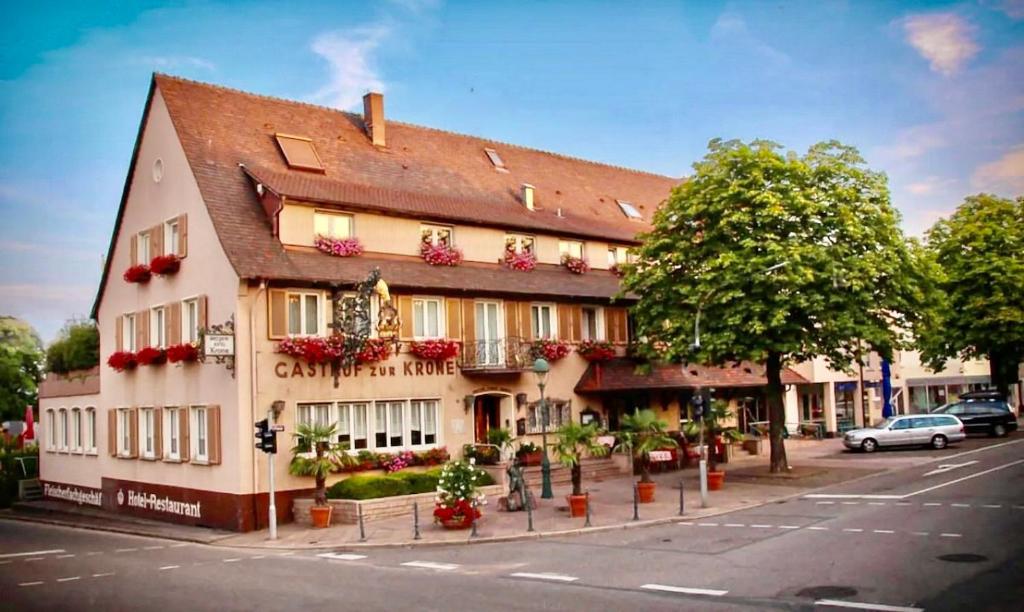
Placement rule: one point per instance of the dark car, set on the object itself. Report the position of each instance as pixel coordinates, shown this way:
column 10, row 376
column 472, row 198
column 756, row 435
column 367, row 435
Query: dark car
column 990, row 416
column 983, row 394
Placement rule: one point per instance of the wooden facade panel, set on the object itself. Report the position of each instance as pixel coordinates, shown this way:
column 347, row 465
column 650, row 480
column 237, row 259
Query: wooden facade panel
column 213, row 451
column 277, row 315
column 468, row 322
column 405, row 314
column 453, row 318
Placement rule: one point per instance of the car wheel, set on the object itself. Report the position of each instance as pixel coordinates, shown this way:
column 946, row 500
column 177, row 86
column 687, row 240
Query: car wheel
column 999, row 430
column 939, row 442
column 869, row 445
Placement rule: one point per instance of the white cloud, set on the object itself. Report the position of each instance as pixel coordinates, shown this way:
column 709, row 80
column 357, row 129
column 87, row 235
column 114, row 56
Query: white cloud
column 349, row 55
column 171, row 62
column 929, row 185
column 731, row 29
column 1014, row 9
column 946, row 40
column 1004, row 176
column 914, row 142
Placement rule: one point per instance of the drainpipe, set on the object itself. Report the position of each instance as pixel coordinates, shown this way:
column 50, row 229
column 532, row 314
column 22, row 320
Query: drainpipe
column 252, row 397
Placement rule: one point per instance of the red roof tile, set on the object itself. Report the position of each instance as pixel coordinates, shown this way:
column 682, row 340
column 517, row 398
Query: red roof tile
column 622, row 375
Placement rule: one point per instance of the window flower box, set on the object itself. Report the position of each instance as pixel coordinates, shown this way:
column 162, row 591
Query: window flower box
column 374, row 350
column 339, row 247
column 151, row 356
column 440, row 254
column 122, row 361
column 165, row 265
column 182, row 353
column 313, row 350
column 617, row 270
column 520, row 262
column 400, row 461
column 138, row 274
column 596, row 350
column 435, row 350
column 576, row 265
column 551, row 350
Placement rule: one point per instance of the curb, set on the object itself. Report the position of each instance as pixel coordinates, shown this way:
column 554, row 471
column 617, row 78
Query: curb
column 42, row 520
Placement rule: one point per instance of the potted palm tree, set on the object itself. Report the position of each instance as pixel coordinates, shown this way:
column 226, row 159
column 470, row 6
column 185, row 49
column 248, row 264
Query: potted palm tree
column 314, row 455
column 575, row 440
column 714, row 431
column 642, row 432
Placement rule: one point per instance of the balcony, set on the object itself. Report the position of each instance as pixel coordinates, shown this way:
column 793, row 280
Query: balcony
column 502, row 356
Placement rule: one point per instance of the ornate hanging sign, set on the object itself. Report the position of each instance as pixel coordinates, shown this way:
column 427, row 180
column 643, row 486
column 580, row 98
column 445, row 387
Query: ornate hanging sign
column 219, row 344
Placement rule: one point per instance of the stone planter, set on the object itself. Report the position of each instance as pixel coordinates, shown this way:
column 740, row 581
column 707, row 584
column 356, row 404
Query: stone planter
column 346, row 511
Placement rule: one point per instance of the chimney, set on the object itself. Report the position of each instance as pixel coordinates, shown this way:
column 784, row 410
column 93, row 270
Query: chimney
column 373, row 117
column 528, row 196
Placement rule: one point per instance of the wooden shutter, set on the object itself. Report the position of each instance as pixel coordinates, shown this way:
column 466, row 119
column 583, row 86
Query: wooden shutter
column 141, row 329
column 158, row 433
column 615, row 324
column 133, row 434
column 512, row 320
column 156, row 240
column 213, row 434
column 112, row 431
column 453, row 316
column 172, row 319
column 469, row 324
column 564, row 321
column 134, row 248
column 526, row 320
column 277, row 314
column 576, row 322
column 405, row 314
column 183, row 441
column 119, row 333
column 204, row 311
column 182, row 235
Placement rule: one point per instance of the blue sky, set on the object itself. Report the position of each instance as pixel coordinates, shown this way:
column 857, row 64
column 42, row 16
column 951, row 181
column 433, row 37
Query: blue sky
column 932, row 93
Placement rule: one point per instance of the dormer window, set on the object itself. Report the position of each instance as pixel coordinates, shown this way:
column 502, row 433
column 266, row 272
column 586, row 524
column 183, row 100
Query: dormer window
column 619, row 255
column 629, row 210
column 332, row 225
column 436, row 235
column 299, row 152
column 499, row 164
column 519, row 243
column 572, row 248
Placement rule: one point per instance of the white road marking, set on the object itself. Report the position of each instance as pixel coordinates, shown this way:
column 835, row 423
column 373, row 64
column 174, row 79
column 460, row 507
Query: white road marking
column 931, row 504
column 849, row 496
column 864, row 606
column 444, row 567
column 545, row 576
column 876, row 503
column 169, row 567
column 707, row 524
column 103, row 575
column 69, row 579
column 259, row 557
column 63, row 556
column 121, row 550
column 34, row 559
column 762, row 526
column 286, row 554
column 991, row 505
column 34, row 583
column 92, row 553
column 179, row 545
column 951, row 535
column 816, row 528
column 926, row 490
column 685, row 523
column 946, row 467
column 152, row 547
column 883, row 531
column 919, row 533
column 849, row 503
column 734, row 525
column 963, row 478
column 853, row 530
column 232, row 560
column 342, row 556
column 31, row 552
column 685, row 590
column 961, row 505
column 789, row 527
column 825, row 503
column 6, row 562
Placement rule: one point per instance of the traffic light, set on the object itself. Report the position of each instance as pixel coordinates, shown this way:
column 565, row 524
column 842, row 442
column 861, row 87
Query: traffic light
column 698, row 405
column 267, row 438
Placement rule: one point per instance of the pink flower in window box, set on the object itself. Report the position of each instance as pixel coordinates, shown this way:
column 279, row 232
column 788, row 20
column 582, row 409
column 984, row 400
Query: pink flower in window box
column 520, row 262
column 339, row 247
column 576, row 265
column 440, row 254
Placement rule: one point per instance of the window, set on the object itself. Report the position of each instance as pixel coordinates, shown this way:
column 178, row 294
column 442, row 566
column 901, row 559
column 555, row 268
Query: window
column 315, row 414
column 619, row 255
column 142, row 254
column 200, row 450
column 427, row 318
column 629, row 210
column 76, row 430
column 190, row 321
column 62, row 430
column 352, row 425
column 499, row 164
column 172, row 237
column 299, row 152
column 559, row 413
column 518, row 243
column 124, row 431
column 423, row 422
column 332, row 225
column 436, row 235
column 147, row 432
column 157, row 327
column 543, row 319
column 489, row 341
column 572, row 248
column 172, row 433
column 592, row 323
column 90, row 430
column 362, row 324
column 128, row 333
column 389, row 424
column 51, row 428
column 304, row 314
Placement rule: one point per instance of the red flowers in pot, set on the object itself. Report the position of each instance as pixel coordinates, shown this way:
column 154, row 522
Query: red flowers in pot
column 165, row 265
column 551, row 350
column 138, row 274
column 313, row 350
column 436, row 350
column 458, row 515
column 521, row 262
column 122, row 360
column 596, row 350
column 440, row 254
column 576, row 265
column 182, row 353
column 151, row 356
column 374, row 350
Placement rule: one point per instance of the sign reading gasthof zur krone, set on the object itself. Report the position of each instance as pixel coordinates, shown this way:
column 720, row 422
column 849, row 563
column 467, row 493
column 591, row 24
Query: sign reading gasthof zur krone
column 218, row 345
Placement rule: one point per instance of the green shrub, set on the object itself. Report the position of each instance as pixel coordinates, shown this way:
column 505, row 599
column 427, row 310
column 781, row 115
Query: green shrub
column 368, row 487
column 77, row 347
column 485, row 479
column 419, row 482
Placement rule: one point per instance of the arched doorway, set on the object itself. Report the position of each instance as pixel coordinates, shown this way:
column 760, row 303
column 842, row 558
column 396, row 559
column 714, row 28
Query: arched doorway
column 488, row 414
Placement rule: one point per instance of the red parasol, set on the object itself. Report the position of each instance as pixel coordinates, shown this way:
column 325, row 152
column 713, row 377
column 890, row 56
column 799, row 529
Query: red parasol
column 30, row 425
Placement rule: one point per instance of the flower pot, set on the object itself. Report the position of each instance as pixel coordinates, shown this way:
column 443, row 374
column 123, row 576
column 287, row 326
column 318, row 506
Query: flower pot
column 577, row 505
column 457, row 522
column 532, row 458
column 321, row 516
column 715, row 480
column 645, row 491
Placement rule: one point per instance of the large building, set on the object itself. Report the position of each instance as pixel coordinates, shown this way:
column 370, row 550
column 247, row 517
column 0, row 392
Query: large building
column 258, row 218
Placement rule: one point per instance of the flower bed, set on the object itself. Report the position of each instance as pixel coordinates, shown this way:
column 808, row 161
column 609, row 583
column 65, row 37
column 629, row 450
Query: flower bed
column 576, row 265
column 339, row 247
column 596, row 350
column 347, row 511
column 458, row 495
column 440, row 254
column 151, row 356
column 551, row 350
column 366, row 460
column 314, row 350
column 165, row 265
column 122, row 360
column 374, row 350
column 521, row 262
column 436, row 350
column 182, row 353
column 138, row 274
column 398, row 462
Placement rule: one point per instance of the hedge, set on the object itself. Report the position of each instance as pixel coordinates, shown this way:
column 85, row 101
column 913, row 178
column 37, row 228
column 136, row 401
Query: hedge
column 390, row 485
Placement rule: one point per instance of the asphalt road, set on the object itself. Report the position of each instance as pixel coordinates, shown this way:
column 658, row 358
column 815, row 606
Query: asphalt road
column 943, row 536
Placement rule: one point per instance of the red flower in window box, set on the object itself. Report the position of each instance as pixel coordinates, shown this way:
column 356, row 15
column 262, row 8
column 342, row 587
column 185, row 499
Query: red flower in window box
column 576, row 265
column 520, row 262
column 165, row 265
column 595, row 350
column 314, row 350
column 440, row 254
column 181, row 353
column 551, row 350
column 435, row 350
column 339, row 247
column 152, row 356
column 122, row 360
column 374, row 350
column 138, row 274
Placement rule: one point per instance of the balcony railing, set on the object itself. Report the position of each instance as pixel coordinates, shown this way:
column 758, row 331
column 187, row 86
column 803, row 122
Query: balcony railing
column 503, row 354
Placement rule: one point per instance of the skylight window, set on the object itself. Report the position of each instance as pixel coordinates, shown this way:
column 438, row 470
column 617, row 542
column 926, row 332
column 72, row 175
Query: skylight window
column 629, row 210
column 499, row 165
column 299, row 152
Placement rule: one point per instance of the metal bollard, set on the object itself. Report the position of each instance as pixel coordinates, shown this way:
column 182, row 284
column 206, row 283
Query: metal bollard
column 529, row 512
column 416, row 521
column 362, row 530
column 587, row 522
column 681, row 504
column 472, row 533
column 636, row 502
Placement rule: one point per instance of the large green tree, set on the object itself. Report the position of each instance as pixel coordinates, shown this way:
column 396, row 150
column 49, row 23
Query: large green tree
column 21, row 367
column 782, row 258
column 978, row 255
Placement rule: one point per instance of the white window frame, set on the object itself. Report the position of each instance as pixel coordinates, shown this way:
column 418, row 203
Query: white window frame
column 345, row 417
column 432, row 404
column 172, row 433
column 128, row 323
column 330, row 217
column 390, row 429
column 147, row 433
column 89, row 432
column 189, row 328
column 559, row 413
column 489, row 351
column 143, row 248
column 629, row 210
column 199, row 435
column 598, row 324
column 62, row 430
column 123, row 423
column 535, row 311
column 422, row 302
column 51, row 428
column 568, row 247
column 518, row 242
column 76, row 430
column 321, row 322
column 158, row 327
column 434, row 230
column 172, row 236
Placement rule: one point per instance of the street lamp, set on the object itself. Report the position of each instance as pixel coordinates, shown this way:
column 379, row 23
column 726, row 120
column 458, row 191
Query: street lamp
column 540, row 370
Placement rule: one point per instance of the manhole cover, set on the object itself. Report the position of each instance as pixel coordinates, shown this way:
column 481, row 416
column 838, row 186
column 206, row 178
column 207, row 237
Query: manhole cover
column 827, row 592
column 667, row 540
column 963, row 558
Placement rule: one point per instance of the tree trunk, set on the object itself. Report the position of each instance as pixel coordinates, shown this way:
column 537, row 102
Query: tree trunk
column 1002, row 368
column 776, row 413
column 577, row 478
column 645, row 469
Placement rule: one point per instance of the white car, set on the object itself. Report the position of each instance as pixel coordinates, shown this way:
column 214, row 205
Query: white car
column 914, row 430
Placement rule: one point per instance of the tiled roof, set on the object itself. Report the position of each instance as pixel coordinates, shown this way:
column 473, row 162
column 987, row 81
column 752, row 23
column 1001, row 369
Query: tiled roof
column 622, row 375
column 82, row 382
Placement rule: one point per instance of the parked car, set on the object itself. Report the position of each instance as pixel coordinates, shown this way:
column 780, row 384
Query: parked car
column 912, row 430
column 993, row 417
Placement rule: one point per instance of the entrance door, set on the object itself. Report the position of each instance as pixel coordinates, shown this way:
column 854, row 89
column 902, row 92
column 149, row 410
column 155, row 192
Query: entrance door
column 485, row 416
column 490, row 351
